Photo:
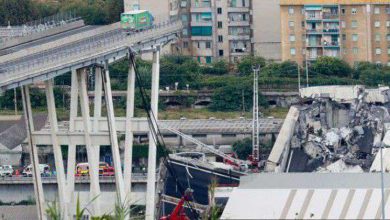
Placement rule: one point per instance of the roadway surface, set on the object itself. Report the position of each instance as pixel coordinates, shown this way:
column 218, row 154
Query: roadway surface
column 46, row 39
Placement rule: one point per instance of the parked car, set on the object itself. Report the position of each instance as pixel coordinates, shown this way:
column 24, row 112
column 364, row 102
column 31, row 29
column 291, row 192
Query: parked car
column 82, row 169
column 105, row 169
column 44, row 169
column 6, row 170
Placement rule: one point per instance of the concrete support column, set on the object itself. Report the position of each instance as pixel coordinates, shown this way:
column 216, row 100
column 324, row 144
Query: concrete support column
column 129, row 134
column 38, row 189
column 151, row 181
column 97, row 109
column 72, row 147
column 59, row 162
column 94, row 177
column 113, row 135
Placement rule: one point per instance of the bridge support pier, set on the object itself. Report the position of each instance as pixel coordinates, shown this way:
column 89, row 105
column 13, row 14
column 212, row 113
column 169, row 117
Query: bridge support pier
column 94, row 177
column 97, row 111
column 38, row 189
column 113, row 135
column 72, row 147
column 129, row 134
column 59, row 162
column 151, row 181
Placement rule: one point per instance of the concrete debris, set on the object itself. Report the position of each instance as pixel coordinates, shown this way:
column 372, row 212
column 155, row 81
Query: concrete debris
column 340, row 129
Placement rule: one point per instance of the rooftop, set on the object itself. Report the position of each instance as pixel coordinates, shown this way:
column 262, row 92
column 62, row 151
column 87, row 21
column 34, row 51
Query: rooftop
column 332, row 2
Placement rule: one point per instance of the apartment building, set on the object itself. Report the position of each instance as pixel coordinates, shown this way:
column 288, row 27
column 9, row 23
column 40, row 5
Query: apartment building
column 222, row 29
column 353, row 30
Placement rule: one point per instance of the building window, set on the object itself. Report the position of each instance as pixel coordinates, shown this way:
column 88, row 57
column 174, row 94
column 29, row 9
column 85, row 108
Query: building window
column 343, row 25
column 183, row 4
column 377, row 24
column 378, row 51
column 388, row 11
column 291, row 24
column 388, row 37
column 208, row 44
column 208, row 59
column 344, row 37
column 185, row 31
column 355, row 50
column 377, row 37
column 198, row 45
column 290, row 10
column 292, row 38
column 184, row 18
column 388, row 50
column 303, row 24
column 220, row 38
column 354, row 24
column 354, row 37
column 388, row 63
column 387, row 23
column 377, row 10
column 220, row 52
column 378, row 63
column 185, row 44
column 219, row 24
column 353, row 11
column 343, row 11
column 292, row 51
column 219, row 10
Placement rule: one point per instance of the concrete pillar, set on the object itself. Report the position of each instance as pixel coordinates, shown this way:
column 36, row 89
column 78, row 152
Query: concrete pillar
column 151, row 181
column 97, row 109
column 59, row 162
column 129, row 134
column 38, row 189
column 113, row 135
column 72, row 147
column 94, row 177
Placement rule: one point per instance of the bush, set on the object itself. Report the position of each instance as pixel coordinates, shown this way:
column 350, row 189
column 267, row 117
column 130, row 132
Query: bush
column 219, row 67
column 243, row 148
column 331, row 66
column 246, row 64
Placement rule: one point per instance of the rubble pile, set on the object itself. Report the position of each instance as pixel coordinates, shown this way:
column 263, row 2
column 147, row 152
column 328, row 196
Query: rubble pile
column 339, row 135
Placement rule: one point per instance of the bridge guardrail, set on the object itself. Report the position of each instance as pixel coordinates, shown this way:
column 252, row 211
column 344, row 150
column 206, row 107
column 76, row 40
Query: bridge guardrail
column 87, row 47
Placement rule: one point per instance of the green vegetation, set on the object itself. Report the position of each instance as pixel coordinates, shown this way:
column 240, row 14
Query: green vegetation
column 243, row 148
column 94, row 12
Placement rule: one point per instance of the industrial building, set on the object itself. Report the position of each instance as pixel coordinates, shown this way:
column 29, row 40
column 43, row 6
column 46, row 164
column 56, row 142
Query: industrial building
column 353, row 30
column 215, row 29
column 309, row 196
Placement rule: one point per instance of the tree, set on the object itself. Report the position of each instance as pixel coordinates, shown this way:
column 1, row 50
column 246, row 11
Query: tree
column 219, row 67
column 243, row 148
column 331, row 66
column 235, row 97
column 246, row 64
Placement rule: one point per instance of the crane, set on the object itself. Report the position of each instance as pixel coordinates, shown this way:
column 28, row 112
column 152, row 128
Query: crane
column 179, row 213
column 209, row 148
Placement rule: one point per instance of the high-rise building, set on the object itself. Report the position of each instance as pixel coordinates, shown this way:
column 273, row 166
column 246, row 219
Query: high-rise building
column 222, row 29
column 353, row 30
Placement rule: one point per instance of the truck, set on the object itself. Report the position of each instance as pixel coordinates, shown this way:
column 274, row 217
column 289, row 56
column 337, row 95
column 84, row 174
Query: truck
column 137, row 20
column 44, row 169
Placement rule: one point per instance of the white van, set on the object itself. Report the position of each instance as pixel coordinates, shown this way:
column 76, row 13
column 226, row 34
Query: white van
column 6, row 170
column 43, row 168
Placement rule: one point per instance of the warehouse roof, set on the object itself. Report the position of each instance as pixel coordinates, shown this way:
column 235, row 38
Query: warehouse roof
column 308, row 196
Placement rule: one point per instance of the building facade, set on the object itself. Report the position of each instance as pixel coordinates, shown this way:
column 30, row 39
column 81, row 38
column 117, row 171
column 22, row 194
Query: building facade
column 353, row 30
column 222, row 29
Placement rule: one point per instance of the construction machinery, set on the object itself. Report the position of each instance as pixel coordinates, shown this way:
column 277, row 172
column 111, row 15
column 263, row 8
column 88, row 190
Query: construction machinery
column 179, row 212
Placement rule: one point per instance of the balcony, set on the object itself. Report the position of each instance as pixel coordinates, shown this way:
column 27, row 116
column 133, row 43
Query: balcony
column 331, row 31
column 331, row 44
column 202, row 38
column 238, row 9
column 330, row 16
column 200, row 9
column 314, row 44
column 238, row 23
column 201, row 23
column 242, row 36
column 313, row 31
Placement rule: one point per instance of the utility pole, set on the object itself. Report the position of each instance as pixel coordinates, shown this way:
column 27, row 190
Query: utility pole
column 15, row 102
column 255, row 122
column 299, row 79
column 382, row 184
column 243, row 102
column 307, row 73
